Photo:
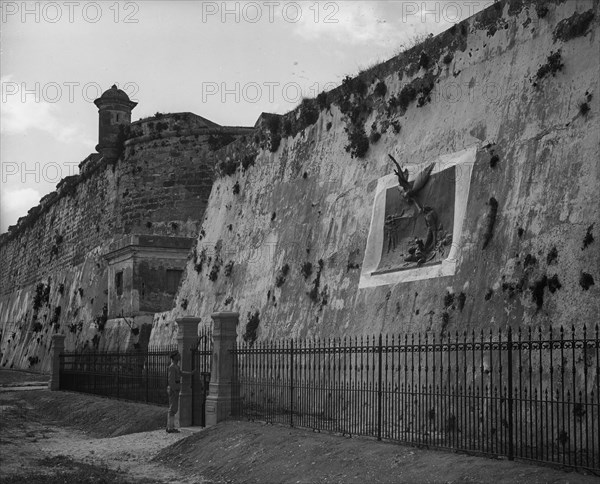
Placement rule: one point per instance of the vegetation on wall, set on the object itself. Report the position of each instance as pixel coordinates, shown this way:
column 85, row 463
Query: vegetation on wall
column 219, row 140
column 281, row 276
column 574, row 26
column 553, row 65
column 251, row 332
column 490, row 221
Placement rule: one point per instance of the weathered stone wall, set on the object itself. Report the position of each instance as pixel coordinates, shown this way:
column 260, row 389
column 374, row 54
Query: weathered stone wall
column 492, row 83
column 159, row 186
column 517, row 84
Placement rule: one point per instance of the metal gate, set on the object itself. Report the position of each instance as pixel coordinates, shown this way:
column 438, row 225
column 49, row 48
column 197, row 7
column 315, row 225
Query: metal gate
column 201, row 362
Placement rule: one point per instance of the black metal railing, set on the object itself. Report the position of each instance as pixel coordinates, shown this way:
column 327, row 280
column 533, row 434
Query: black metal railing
column 529, row 394
column 138, row 375
column 201, row 363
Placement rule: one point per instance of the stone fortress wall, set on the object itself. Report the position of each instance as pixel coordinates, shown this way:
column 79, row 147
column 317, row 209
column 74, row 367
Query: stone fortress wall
column 54, row 269
column 503, row 104
column 508, row 99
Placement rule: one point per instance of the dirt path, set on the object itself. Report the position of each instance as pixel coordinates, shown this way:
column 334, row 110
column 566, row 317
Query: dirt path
column 42, row 431
column 53, row 437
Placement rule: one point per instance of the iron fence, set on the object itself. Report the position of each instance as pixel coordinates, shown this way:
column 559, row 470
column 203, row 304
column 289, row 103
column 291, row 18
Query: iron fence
column 138, row 375
column 528, row 394
column 201, row 363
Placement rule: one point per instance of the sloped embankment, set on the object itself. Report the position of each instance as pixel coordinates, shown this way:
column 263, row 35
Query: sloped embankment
column 98, row 417
column 250, row 452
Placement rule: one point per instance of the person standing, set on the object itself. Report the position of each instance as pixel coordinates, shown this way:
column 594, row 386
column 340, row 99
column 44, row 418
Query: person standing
column 174, row 385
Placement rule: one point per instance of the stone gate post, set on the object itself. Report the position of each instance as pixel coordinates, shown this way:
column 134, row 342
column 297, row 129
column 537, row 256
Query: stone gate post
column 187, row 334
column 219, row 400
column 58, row 346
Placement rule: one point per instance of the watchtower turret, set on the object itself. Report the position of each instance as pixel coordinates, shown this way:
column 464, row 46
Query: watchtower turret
column 114, row 111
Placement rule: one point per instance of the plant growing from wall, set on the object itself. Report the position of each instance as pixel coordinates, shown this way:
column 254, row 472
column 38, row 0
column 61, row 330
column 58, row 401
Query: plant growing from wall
column 281, row 276
column 248, row 160
column 96, row 341
column 56, row 317
column 250, row 334
column 216, row 268
column 306, row 270
column 273, row 125
column 552, row 66
column 588, row 238
column 236, row 188
column 309, row 113
column 490, row 221
column 359, row 143
column 228, row 166
column 313, row 294
column 38, row 297
column 199, row 259
column 586, row 280
column 322, row 101
column 424, row 60
column 100, row 320
column 573, row 26
column 380, row 89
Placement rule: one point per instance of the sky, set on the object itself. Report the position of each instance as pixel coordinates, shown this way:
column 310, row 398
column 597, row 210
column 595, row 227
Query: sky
column 225, row 61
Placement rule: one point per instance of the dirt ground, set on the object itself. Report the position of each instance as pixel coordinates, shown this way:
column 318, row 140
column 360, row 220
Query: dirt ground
column 11, row 377
column 54, row 437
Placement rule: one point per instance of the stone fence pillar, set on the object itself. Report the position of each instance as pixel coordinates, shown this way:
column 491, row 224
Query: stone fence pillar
column 219, row 401
column 58, row 346
column 187, row 334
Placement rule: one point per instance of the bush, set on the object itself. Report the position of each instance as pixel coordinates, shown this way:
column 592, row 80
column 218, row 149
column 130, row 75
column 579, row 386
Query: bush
column 228, row 167
column 380, row 89
column 322, row 101
column 407, row 95
column 359, row 143
column 307, row 270
column 274, row 142
column 251, row 328
column 283, row 272
column 309, row 114
column 552, row 66
column 248, row 161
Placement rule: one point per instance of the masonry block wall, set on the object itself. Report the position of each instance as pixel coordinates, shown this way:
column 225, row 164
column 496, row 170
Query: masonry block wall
column 54, row 275
column 284, row 238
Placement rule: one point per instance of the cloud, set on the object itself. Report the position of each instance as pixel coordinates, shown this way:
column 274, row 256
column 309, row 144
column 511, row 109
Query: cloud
column 18, row 115
column 381, row 24
column 355, row 23
column 15, row 203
